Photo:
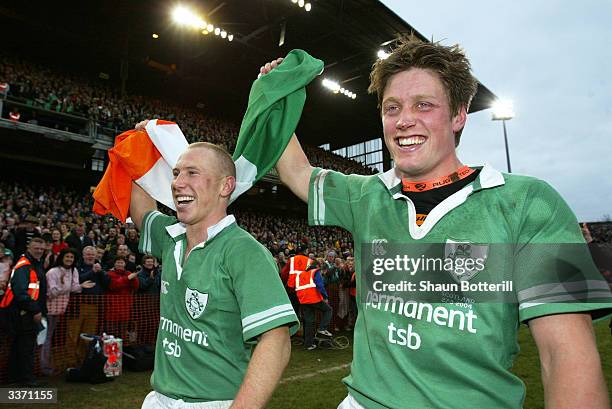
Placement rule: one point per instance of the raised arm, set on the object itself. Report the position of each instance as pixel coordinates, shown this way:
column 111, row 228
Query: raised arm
column 294, row 169
column 140, row 204
column 293, row 166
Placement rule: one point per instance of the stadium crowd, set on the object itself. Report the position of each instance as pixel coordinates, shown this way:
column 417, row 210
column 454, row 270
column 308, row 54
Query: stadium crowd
column 57, row 91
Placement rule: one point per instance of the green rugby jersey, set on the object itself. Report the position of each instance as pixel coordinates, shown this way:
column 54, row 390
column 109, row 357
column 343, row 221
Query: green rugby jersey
column 445, row 354
column 212, row 307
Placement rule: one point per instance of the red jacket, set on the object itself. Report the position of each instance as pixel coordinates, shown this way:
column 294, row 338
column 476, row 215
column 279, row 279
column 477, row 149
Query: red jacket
column 119, row 295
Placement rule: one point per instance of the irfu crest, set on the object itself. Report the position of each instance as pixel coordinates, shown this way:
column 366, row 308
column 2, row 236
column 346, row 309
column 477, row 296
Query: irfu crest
column 461, row 251
column 195, row 302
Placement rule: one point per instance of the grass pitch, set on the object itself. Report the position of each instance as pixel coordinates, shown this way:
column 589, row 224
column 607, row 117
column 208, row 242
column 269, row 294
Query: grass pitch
column 312, row 380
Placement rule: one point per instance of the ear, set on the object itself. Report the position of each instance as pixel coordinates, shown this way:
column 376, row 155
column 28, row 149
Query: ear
column 228, row 186
column 458, row 121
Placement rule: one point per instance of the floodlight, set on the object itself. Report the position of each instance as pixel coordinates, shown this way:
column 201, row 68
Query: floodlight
column 301, row 3
column 223, row 34
column 184, row 16
column 502, row 110
column 217, row 31
column 155, row 36
column 307, row 6
column 332, row 85
column 230, row 37
column 382, row 54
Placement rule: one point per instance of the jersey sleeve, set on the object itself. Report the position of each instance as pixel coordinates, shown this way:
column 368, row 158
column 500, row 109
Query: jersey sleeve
column 154, row 232
column 554, row 272
column 262, row 299
column 329, row 199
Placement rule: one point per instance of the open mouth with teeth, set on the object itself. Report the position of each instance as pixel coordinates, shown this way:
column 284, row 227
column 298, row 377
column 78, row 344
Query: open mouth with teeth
column 410, row 142
column 184, row 200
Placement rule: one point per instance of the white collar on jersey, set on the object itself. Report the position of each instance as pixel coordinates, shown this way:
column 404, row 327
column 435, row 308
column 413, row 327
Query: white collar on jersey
column 177, row 229
column 488, row 177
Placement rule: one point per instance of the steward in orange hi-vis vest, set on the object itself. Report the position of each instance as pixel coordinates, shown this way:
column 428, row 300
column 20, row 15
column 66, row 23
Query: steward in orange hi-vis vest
column 306, row 288
column 33, row 286
column 299, row 263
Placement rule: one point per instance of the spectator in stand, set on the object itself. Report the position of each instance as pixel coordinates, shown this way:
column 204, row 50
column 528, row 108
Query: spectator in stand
column 149, row 276
column 132, row 242
column 58, row 243
column 352, row 289
column 124, row 251
column 24, row 234
column 118, row 308
column 146, row 310
column 48, row 258
column 65, row 230
column 62, row 279
column 100, row 251
column 86, row 321
column 333, row 270
column 76, row 238
column 91, row 239
column 111, row 238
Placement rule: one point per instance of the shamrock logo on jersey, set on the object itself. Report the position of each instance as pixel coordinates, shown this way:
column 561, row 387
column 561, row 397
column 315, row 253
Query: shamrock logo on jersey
column 195, row 302
column 459, row 252
column 377, row 247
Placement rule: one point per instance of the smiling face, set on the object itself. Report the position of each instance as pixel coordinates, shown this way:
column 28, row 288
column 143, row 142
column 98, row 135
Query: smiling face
column 120, row 264
column 149, row 263
column 418, row 126
column 197, row 187
column 68, row 260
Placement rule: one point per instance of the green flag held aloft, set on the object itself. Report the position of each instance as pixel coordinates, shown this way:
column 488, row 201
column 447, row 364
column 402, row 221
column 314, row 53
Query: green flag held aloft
column 275, row 106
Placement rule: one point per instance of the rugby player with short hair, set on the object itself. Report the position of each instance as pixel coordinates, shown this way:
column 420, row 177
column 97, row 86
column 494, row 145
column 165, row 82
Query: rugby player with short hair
column 442, row 360
column 225, row 319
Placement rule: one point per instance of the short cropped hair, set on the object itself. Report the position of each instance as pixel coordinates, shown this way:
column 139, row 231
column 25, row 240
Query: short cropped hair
column 224, row 159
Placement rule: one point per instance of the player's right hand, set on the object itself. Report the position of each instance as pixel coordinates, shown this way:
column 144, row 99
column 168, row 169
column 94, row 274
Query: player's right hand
column 264, row 69
column 141, row 125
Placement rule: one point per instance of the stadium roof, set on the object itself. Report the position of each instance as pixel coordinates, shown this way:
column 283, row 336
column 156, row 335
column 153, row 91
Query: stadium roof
column 346, row 35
